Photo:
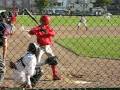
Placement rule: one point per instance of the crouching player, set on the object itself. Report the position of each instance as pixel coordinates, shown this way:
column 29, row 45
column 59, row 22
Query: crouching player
column 25, row 71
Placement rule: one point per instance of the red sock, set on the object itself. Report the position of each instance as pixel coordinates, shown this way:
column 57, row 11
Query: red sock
column 54, row 70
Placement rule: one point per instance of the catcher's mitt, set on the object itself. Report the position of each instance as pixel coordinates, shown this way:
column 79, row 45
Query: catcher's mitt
column 34, row 79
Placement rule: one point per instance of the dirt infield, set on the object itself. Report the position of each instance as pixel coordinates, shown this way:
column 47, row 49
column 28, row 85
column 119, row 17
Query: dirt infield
column 75, row 71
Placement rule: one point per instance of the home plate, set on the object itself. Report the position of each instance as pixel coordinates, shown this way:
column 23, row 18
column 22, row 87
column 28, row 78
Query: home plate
column 76, row 81
column 81, row 82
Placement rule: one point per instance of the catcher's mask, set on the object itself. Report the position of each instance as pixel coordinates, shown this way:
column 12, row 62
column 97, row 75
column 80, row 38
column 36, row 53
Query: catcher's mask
column 3, row 14
column 33, row 48
column 45, row 19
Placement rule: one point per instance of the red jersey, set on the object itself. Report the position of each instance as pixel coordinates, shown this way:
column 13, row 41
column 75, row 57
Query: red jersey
column 43, row 34
column 13, row 19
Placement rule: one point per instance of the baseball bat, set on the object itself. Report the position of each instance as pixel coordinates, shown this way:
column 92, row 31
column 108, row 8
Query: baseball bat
column 31, row 16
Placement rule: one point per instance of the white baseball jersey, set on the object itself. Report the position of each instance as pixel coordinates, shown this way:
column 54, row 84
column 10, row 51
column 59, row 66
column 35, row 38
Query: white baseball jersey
column 23, row 72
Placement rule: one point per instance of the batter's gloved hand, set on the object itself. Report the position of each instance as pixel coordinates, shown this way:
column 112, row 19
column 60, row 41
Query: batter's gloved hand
column 44, row 31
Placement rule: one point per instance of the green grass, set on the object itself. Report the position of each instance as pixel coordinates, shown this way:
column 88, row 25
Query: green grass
column 101, row 47
column 92, row 21
column 25, row 20
column 91, row 46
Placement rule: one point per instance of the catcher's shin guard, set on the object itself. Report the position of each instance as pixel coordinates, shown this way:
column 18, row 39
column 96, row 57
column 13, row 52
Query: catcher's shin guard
column 52, row 60
column 2, row 69
column 35, row 78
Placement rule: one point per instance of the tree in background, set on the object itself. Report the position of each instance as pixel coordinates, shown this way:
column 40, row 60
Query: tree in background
column 103, row 3
column 42, row 4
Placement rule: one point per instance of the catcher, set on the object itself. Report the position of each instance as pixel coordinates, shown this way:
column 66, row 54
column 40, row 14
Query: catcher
column 44, row 33
column 25, row 71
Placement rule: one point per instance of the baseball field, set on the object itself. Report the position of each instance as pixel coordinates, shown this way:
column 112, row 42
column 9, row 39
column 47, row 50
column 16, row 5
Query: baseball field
column 86, row 58
column 92, row 21
column 92, row 46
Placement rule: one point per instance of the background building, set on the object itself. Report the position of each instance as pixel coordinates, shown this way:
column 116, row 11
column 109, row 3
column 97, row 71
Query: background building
column 71, row 6
column 80, row 6
column 75, row 7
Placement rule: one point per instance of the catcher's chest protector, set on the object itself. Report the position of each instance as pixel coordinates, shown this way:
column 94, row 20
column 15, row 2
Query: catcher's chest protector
column 2, row 29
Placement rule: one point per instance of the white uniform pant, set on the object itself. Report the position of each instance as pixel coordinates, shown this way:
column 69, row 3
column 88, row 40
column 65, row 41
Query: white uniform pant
column 13, row 27
column 84, row 23
column 18, row 77
column 44, row 49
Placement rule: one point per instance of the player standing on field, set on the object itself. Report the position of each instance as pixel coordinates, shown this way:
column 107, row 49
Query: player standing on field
column 44, row 34
column 108, row 16
column 82, row 21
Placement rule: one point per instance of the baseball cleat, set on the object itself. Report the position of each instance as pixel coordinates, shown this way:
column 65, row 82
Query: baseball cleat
column 56, row 78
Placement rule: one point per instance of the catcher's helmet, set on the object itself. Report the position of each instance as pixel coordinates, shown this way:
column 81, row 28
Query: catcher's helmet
column 45, row 19
column 33, row 48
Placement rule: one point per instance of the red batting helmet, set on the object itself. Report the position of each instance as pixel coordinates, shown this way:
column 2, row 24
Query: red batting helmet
column 45, row 19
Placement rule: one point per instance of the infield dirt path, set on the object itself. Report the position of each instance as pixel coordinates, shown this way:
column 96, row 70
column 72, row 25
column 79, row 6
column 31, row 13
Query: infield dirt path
column 75, row 71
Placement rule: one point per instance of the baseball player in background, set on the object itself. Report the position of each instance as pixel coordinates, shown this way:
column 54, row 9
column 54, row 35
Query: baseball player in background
column 25, row 71
column 44, row 33
column 12, row 21
column 82, row 21
column 8, row 21
column 108, row 16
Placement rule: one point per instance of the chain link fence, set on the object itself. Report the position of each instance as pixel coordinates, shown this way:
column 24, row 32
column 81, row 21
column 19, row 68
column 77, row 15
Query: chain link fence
column 88, row 48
